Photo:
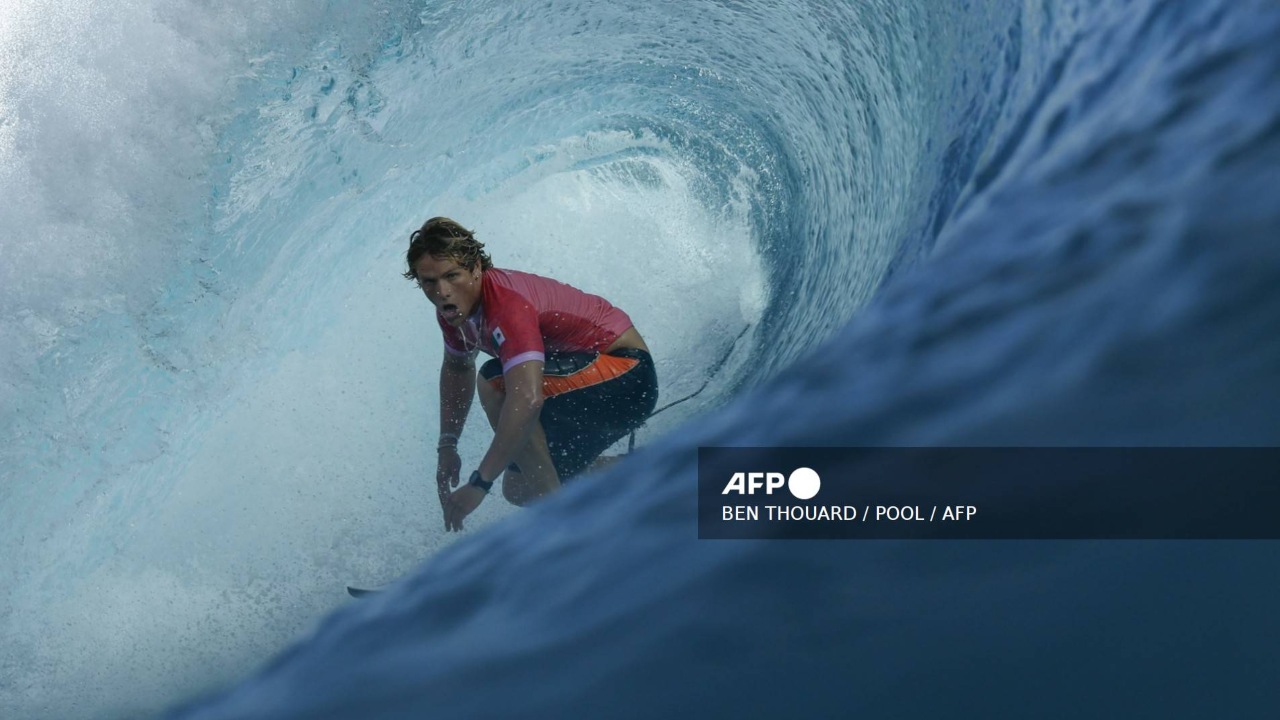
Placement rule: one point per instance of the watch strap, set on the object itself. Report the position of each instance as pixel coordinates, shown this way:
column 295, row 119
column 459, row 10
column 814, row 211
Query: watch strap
column 480, row 482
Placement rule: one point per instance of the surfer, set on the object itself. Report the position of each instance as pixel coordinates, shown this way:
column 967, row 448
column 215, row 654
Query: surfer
column 569, row 375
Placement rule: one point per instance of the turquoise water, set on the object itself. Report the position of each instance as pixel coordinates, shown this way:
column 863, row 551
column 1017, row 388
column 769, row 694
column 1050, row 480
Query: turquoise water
column 903, row 223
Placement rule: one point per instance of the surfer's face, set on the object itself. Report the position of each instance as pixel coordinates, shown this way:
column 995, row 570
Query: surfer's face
column 453, row 289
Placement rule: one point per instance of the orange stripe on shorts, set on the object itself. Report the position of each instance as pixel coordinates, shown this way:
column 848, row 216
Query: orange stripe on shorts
column 604, row 369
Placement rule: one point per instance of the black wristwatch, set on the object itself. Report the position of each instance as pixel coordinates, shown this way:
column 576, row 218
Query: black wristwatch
column 480, row 482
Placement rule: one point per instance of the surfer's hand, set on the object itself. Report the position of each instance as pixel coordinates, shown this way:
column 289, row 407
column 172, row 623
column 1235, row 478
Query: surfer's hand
column 448, row 470
column 448, row 466
column 460, row 504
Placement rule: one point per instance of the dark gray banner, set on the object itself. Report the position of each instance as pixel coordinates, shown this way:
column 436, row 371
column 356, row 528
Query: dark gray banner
column 989, row 493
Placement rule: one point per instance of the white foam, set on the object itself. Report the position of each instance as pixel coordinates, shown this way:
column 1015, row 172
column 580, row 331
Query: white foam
column 229, row 401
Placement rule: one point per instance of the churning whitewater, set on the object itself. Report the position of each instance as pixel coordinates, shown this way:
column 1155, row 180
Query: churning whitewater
column 836, row 223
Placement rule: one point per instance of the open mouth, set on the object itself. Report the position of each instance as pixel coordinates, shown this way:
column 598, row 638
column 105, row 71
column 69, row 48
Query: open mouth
column 449, row 311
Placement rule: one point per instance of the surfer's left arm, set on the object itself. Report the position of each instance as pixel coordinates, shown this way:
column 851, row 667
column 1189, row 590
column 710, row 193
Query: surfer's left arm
column 520, row 409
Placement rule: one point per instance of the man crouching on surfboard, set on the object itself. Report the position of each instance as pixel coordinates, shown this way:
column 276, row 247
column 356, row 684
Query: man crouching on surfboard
column 570, row 375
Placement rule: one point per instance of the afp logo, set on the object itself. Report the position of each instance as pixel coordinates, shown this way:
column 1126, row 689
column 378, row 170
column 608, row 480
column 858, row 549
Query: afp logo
column 803, row 483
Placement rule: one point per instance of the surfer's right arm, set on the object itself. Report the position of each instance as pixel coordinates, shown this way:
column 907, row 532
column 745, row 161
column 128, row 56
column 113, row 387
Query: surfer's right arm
column 457, row 388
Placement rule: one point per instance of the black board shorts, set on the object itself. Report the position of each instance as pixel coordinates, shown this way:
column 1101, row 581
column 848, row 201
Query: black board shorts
column 591, row 401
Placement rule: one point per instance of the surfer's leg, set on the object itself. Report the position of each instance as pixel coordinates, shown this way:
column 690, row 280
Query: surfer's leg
column 533, row 474
column 583, row 422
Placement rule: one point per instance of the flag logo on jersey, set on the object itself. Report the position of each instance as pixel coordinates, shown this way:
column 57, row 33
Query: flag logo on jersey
column 498, row 337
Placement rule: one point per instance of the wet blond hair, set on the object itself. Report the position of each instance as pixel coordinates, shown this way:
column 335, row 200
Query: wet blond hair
column 441, row 237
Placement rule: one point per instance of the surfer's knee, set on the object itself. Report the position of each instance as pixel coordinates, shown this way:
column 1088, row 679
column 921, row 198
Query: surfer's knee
column 487, row 389
column 514, row 486
column 521, row 486
column 490, row 385
column 490, row 376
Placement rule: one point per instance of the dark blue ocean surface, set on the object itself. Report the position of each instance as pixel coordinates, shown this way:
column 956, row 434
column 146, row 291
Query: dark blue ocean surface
column 845, row 223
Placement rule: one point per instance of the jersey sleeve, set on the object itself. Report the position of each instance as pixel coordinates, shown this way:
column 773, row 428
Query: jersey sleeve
column 515, row 332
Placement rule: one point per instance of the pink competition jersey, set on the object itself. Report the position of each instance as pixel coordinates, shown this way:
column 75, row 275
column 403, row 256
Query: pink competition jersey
column 523, row 316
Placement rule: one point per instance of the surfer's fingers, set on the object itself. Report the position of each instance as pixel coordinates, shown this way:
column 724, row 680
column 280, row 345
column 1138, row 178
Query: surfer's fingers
column 446, row 508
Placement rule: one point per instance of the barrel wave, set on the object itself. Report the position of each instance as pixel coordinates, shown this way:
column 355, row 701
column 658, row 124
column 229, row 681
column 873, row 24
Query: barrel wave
column 991, row 223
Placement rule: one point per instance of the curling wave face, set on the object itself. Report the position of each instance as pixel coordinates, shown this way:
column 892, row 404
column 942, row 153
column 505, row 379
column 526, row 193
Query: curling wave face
column 1046, row 221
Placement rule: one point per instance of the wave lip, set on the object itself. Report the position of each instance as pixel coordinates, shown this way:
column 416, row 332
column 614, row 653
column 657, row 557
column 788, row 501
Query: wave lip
column 1007, row 206
column 1093, row 286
